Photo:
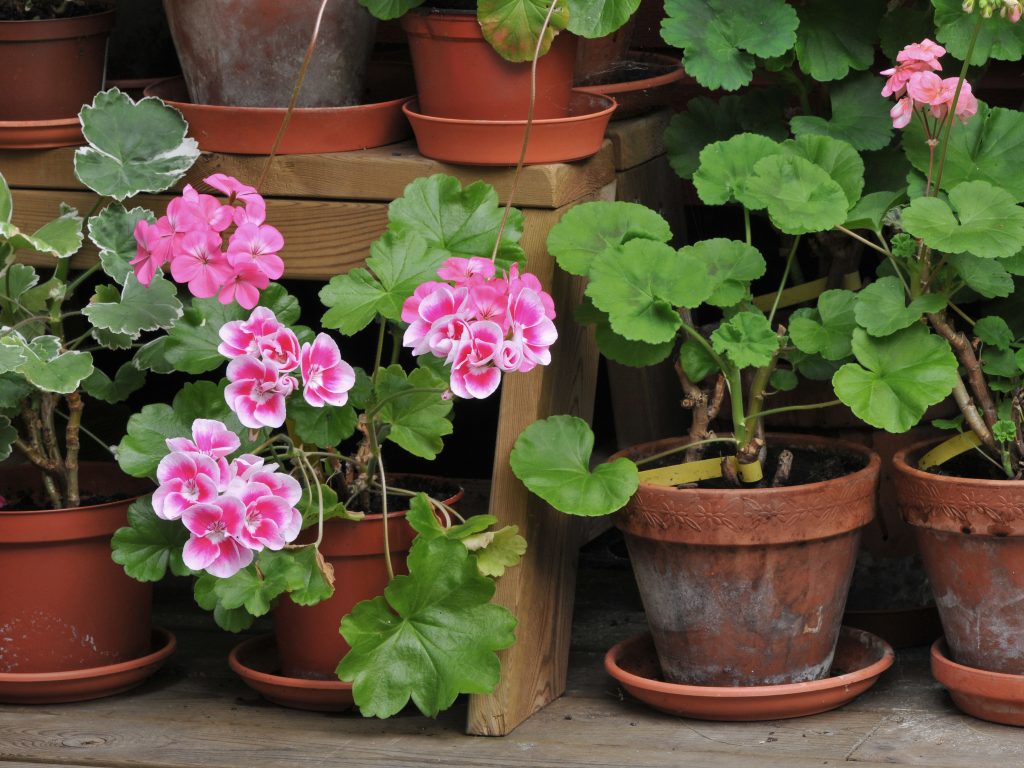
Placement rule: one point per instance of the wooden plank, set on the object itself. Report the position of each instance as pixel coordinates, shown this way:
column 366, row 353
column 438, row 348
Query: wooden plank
column 373, row 174
column 638, row 139
column 949, row 739
column 540, row 591
column 322, row 238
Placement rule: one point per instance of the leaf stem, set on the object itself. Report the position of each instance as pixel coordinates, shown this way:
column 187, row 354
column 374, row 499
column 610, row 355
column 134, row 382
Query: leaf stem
column 805, row 407
column 950, row 116
column 371, row 432
column 680, row 449
column 864, row 241
column 785, row 277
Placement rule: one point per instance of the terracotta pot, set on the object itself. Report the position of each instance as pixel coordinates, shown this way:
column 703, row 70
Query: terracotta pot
column 459, row 75
column 597, row 59
column 247, row 53
column 971, row 536
column 53, row 66
column 747, row 586
column 308, row 640
column 64, row 604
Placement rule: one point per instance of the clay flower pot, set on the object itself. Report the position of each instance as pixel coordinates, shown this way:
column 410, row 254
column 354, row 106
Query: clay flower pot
column 64, row 604
column 459, row 75
column 52, row 67
column 746, row 587
column 247, row 53
column 971, row 536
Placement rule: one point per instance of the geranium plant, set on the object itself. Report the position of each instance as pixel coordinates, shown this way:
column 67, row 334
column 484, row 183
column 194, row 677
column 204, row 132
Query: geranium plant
column 292, row 436
column 49, row 329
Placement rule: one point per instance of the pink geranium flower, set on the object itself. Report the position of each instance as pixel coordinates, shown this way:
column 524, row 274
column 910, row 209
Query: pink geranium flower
column 437, row 315
column 243, row 285
column 242, row 337
column 150, row 255
column 902, row 112
column 185, row 479
column 255, row 209
column 327, row 377
column 472, row 270
column 269, row 520
column 204, row 211
column 257, row 393
column 209, row 437
column 213, row 546
column 200, row 263
column 473, row 375
column 258, row 244
column 927, row 51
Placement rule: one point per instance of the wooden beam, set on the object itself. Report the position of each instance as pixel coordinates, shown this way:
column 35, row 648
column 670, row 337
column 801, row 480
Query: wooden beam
column 638, row 139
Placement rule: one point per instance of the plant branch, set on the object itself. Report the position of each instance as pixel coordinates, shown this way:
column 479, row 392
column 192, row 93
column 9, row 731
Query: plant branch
column 804, row 407
column 73, row 444
column 972, row 417
column 864, row 241
column 965, row 354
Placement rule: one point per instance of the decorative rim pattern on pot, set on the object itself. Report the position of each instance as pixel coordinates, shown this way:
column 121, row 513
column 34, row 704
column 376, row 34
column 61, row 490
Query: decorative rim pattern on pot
column 753, row 517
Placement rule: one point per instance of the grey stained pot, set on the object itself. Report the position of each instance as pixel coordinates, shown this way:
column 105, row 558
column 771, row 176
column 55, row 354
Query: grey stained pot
column 247, row 53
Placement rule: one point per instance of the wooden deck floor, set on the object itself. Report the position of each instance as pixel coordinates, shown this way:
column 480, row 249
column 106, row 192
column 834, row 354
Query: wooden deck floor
column 196, row 713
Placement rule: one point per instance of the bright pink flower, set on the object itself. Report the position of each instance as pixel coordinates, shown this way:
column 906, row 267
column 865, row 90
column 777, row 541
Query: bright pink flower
column 280, row 349
column 244, row 284
column 902, row 112
column 242, row 337
column 529, row 322
column 255, row 210
column 327, row 377
column 256, row 393
column 185, row 479
column 209, row 437
column 204, row 211
column 471, row 270
column 150, row 254
column 200, row 263
column 926, row 51
column 269, row 520
column 213, row 547
column 280, row 484
column 439, row 314
column 489, row 301
column 473, row 375
column 260, row 245
column 517, row 282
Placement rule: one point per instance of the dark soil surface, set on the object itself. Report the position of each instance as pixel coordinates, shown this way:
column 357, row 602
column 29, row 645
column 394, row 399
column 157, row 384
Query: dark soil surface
column 970, row 465
column 34, row 10
column 437, row 488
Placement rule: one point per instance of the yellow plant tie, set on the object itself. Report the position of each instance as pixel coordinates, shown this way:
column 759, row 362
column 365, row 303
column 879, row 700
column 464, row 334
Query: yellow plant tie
column 805, row 292
column 949, row 449
column 705, row 469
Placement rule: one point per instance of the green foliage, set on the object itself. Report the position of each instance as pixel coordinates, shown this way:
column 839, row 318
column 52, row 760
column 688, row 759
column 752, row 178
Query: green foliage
column 132, row 147
column 321, row 426
column 731, row 266
column 433, row 635
column 837, row 158
column 552, row 458
column 42, row 363
column 746, row 339
column 128, row 379
column 513, row 27
column 418, row 419
column 727, row 166
column 979, row 218
column 697, row 362
column 385, row 10
column 995, row 331
column 799, row 195
column 59, row 238
column 633, row 353
column 826, row 330
column 881, row 307
column 112, row 231
column 860, row 116
column 998, row 38
column 148, row 547
column 139, row 308
column 984, row 276
column 834, row 38
column 598, row 18
column 871, row 209
column 587, row 230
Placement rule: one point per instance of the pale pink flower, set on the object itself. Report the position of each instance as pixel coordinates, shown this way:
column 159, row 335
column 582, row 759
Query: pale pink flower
column 926, row 51
column 281, row 349
column 243, row 285
column 213, row 546
column 255, row 207
column 1013, row 10
column 966, row 103
column 517, row 282
column 150, row 254
column 280, row 484
column 438, row 314
column 242, row 337
column 200, row 263
column 256, row 393
column 528, row 321
column 489, row 301
column 327, row 377
column 473, row 375
column 902, row 112
column 209, row 437
column 472, row 270
column 185, row 479
column 204, row 211
column 260, row 245
column 509, row 357
column 269, row 520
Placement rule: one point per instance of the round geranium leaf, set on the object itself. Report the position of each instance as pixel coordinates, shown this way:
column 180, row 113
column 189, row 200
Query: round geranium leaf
column 746, row 339
column 826, row 330
column 837, row 158
column 731, row 266
column 800, row 197
column 512, row 27
column 881, row 308
column 859, row 116
column 834, row 38
column 597, row 18
column 726, row 166
column 591, row 228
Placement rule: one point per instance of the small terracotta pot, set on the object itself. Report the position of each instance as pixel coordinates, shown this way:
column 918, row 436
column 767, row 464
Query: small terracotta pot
column 596, row 59
column 971, row 536
column 52, row 67
column 64, row 604
column 747, row 586
column 247, row 53
column 308, row 640
column 459, row 75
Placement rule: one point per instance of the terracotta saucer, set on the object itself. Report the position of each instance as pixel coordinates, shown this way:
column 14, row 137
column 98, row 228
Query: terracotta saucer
column 85, row 684
column 252, row 130
column 255, row 661
column 994, row 696
column 638, row 83
column 860, row 658
column 499, row 142
column 40, row 134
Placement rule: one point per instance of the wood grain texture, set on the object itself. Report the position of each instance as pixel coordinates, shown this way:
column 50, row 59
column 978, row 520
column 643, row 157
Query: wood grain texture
column 323, row 238
column 638, row 139
column 372, row 174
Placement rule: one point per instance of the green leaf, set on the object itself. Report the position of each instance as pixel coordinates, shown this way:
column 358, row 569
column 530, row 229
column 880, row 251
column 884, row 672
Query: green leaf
column 993, row 330
column 324, row 427
column 987, row 222
column 128, row 379
column 112, row 231
column 871, row 209
column 837, row 158
column 598, row 18
column 638, row 354
column 997, row 39
column 697, row 362
column 783, row 379
column 385, row 10
column 800, row 197
column 705, row 121
column 133, row 147
column 726, row 167
column 15, row 281
column 6, row 203
column 352, row 300
column 905, row 25
column 501, row 549
column 418, row 420
column 149, row 357
column 721, row 38
column 1004, row 431
column 422, row 518
column 552, row 458
column 59, row 238
column 309, row 506
column 881, row 307
column 731, row 265
column 985, row 276
column 52, row 372
column 896, row 378
column 513, row 27
column 860, row 116
column 8, row 435
column 996, row 362
column 588, row 230
column 988, row 147
column 641, row 283
column 433, row 635
column 746, row 339
column 141, row 308
column 827, row 330
column 13, row 388
column 148, row 546
column 834, row 38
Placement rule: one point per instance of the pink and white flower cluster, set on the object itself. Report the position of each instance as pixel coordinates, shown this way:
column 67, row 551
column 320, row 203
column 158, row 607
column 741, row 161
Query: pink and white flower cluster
column 192, row 237
column 231, row 509
column 480, row 324
column 916, row 86
column 264, row 353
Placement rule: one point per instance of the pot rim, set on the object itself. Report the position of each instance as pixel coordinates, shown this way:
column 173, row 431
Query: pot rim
column 872, row 466
column 901, row 464
column 41, row 30
column 605, row 105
